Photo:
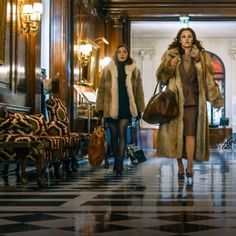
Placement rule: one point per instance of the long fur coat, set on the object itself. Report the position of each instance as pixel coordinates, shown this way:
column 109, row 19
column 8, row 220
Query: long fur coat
column 170, row 135
column 108, row 96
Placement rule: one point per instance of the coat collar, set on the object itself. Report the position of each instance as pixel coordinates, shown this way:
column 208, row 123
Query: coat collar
column 194, row 53
column 128, row 68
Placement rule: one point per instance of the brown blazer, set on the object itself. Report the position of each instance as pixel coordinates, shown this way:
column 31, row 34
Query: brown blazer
column 190, row 84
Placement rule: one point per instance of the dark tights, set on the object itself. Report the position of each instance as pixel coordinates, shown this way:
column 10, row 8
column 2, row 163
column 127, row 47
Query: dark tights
column 118, row 129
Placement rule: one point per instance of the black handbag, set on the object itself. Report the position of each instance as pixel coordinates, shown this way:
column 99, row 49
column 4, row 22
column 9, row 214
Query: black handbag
column 161, row 108
column 136, row 155
column 135, row 152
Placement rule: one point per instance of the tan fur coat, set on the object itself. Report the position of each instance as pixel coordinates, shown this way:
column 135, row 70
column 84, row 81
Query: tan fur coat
column 170, row 135
column 107, row 94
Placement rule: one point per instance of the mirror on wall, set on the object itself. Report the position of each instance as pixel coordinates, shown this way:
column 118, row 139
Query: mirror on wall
column 90, row 72
column 88, row 57
column 93, row 69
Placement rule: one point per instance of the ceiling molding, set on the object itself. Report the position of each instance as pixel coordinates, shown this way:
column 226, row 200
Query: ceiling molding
column 152, row 10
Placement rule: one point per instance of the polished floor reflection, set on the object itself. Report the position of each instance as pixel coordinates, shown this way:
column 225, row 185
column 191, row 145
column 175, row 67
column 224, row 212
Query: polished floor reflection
column 147, row 200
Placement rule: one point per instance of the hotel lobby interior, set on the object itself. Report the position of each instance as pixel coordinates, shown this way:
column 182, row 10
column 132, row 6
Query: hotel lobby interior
column 55, row 50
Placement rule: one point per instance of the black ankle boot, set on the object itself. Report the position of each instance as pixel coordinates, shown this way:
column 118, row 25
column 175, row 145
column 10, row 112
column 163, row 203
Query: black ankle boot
column 115, row 165
column 120, row 167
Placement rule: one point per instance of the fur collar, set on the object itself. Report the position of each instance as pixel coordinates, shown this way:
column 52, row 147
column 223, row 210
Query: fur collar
column 129, row 69
column 174, row 52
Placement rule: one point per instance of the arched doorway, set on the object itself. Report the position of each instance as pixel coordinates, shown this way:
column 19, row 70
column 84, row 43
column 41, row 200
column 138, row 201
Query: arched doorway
column 219, row 77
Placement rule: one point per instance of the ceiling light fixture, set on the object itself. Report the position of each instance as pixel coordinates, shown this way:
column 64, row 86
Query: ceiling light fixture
column 184, row 19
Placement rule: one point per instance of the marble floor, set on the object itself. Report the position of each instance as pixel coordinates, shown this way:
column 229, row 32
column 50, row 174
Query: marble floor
column 147, row 200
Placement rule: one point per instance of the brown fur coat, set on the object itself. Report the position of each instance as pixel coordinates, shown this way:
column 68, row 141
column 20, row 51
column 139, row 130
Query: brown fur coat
column 170, row 135
column 107, row 94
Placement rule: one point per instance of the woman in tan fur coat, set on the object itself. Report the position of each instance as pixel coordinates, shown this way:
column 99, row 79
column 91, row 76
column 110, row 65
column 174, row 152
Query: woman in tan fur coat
column 187, row 70
column 120, row 97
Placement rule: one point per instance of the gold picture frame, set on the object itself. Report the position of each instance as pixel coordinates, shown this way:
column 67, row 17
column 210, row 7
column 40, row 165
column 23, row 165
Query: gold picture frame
column 3, row 10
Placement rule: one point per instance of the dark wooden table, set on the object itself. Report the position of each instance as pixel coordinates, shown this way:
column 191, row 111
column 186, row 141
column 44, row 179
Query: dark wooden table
column 217, row 135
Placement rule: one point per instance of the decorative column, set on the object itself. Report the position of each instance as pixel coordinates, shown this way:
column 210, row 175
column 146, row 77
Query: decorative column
column 59, row 47
column 231, row 91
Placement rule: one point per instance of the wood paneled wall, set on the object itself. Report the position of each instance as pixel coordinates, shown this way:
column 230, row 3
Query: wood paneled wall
column 70, row 22
column 19, row 75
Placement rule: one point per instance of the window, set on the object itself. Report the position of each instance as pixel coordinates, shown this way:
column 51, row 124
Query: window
column 219, row 77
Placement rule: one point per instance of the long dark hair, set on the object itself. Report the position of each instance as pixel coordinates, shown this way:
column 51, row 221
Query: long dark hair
column 128, row 61
column 176, row 43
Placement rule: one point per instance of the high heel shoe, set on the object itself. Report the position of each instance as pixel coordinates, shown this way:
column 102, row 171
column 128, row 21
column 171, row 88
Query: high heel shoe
column 115, row 165
column 120, row 167
column 118, row 173
column 119, row 170
column 106, row 165
column 189, row 174
column 180, row 175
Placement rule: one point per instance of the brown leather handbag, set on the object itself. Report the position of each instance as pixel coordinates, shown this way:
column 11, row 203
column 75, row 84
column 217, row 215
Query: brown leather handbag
column 97, row 147
column 161, row 108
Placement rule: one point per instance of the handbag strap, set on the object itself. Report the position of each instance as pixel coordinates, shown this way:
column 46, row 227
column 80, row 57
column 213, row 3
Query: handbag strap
column 161, row 88
column 140, row 138
column 156, row 88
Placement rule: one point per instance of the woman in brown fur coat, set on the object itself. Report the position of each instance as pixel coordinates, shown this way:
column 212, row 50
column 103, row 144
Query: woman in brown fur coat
column 120, row 97
column 187, row 70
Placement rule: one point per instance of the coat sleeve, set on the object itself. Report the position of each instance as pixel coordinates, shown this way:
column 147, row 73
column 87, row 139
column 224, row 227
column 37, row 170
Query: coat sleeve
column 165, row 71
column 100, row 93
column 139, row 93
column 213, row 93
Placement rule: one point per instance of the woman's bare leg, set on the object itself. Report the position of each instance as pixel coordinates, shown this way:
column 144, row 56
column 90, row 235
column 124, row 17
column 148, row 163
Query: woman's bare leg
column 180, row 166
column 190, row 150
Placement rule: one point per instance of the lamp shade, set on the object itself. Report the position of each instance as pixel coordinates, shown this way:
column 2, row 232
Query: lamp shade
column 27, row 9
column 85, row 49
column 38, row 7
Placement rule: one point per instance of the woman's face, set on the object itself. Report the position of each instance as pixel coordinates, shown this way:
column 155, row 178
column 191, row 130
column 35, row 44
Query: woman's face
column 186, row 39
column 122, row 54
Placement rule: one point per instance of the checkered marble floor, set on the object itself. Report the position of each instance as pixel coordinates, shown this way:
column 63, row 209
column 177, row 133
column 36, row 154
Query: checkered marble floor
column 146, row 200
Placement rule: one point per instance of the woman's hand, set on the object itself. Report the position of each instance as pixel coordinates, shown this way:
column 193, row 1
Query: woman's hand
column 99, row 117
column 174, row 61
column 139, row 116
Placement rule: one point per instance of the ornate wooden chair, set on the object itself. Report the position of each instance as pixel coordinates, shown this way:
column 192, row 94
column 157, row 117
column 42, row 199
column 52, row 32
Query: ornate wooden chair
column 17, row 127
column 59, row 125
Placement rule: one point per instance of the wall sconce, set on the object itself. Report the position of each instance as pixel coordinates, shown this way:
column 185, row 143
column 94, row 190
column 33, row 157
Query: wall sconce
column 84, row 53
column 30, row 16
column 100, row 40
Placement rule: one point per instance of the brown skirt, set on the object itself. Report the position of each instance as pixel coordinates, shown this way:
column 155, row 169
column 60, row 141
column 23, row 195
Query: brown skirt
column 190, row 120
